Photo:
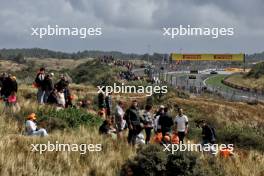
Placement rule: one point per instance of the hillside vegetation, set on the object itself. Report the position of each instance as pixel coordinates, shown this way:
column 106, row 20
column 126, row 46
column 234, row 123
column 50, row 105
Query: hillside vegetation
column 257, row 71
column 254, row 79
column 237, row 123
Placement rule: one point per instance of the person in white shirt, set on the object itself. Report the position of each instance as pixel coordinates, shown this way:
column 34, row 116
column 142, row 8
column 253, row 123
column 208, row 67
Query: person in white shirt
column 31, row 127
column 120, row 123
column 181, row 122
column 61, row 99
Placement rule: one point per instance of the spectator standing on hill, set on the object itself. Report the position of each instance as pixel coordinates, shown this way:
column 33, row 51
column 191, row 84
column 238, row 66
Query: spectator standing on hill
column 101, row 103
column 166, row 122
column 119, row 118
column 5, row 90
column 39, row 80
column 52, row 99
column 61, row 99
column 68, row 96
column 133, row 121
column 157, row 127
column 9, row 86
column 208, row 133
column 13, row 87
column 108, row 104
column 62, row 84
column 148, row 122
column 48, row 86
column 2, row 79
column 181, row 122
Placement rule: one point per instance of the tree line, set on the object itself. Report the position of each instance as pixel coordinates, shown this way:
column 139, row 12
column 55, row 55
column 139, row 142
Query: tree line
column 13, row 54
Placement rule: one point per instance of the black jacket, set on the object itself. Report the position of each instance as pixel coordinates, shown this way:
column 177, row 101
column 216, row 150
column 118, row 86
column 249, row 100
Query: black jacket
column 8, row 87
column 48, row 84
column 166, row 122
column 62, row 84
column 208, row 133
column 39, row 81
column 132, row 117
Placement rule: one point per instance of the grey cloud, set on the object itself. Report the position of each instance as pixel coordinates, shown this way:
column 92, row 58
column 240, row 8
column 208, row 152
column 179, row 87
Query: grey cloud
column 131, row 25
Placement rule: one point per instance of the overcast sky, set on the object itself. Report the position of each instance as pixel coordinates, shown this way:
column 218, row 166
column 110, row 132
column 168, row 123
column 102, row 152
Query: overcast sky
column 132, row 25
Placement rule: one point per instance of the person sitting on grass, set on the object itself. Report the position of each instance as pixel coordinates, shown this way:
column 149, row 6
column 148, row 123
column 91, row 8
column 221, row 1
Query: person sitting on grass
column 31, row 127
column 106, row 129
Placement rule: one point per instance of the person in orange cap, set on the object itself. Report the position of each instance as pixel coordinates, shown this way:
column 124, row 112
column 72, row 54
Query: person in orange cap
column 31, row 127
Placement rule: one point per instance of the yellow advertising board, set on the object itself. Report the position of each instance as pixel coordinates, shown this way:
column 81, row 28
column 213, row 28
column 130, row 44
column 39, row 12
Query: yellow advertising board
column 208, row 57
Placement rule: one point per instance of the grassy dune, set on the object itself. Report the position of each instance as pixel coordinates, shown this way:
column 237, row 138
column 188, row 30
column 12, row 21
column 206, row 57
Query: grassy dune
column 254, row 79
column 249, row 82
column 16, row 157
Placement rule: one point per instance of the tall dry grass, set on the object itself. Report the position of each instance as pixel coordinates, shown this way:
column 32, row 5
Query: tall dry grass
column 16, row 157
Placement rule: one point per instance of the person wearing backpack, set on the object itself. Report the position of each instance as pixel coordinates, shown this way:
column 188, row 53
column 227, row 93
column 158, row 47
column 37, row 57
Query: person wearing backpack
column 208, row 133
column 62, row 84
column 39, row 84
column 8, row 87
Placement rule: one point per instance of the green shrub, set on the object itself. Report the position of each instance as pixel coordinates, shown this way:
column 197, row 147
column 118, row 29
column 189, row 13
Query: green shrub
column 152, row 161
column 244, row 137
column 257, row 70
column 66, row 118
column 95, row 73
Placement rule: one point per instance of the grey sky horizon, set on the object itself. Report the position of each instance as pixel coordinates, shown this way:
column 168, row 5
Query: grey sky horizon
column 134, row 26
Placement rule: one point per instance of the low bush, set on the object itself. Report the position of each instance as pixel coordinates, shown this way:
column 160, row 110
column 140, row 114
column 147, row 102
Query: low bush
column 243, row 137
column 95, row 73
column 257, row 71
column 152, row 161
column 66, row 118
